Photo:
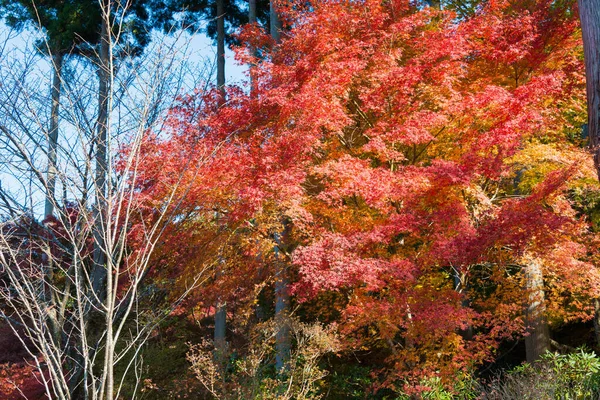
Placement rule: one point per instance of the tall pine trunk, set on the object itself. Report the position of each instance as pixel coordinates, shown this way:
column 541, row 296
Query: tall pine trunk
column 537, row 342
column 282, row 294
column 251, row 11
column 282, row 307
column 589, row 14
column 99, row 274
column 221, row 48
column 252, row 20
column 57, row 63
column 221, row 312
column 275, row 22
column 259, row 309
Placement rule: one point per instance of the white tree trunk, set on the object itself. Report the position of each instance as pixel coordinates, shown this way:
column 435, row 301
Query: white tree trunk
column 57, row 62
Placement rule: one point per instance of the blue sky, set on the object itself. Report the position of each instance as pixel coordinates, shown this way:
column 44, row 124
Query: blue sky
column 200, row 44
column 18, row 48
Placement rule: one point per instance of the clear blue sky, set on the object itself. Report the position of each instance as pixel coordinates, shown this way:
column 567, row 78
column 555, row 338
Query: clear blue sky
column 16, row 47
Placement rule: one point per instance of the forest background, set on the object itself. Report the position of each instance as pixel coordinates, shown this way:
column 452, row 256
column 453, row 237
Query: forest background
column 400, row 200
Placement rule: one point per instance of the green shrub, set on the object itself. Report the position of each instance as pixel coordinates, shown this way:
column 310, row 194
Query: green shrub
column 556, row 376
column 464, row 387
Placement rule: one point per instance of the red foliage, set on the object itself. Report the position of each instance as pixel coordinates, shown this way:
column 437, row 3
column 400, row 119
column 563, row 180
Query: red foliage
column 393, row 139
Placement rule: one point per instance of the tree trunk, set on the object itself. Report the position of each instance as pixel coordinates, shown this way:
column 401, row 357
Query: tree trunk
column 589, row 13
column 102, row 282
column 597, row 321
column 251, row 11
column 538, row 340
column 252, row 20
column 282, row 305
column 50, row 298
column 460, row 284
column 99, row 273
column 221, row 48
column 282, row 316
column 57, row 62
column 434, row 3
column 220, row 339
column 221, row 311
column 282, row 294
column 275, row 22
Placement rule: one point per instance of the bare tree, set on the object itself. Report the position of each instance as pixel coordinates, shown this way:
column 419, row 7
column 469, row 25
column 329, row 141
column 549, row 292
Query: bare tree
column 71, row 288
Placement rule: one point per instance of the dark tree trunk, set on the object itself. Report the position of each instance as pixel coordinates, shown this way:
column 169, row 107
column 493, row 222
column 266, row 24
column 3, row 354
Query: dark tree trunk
column 99, row 274
column 597, row 321
column 251, row 11
column 434, row 3
column 589, row 14
column 221, row 311
column 221, row 48
column 282, row 312
column 275, row 22
column 220, row 340
column 252, row 20
column 460, row 285
column 282, row 295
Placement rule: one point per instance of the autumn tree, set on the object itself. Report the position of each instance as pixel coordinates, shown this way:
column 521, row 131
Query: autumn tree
column 411, row 165
column 377, row 165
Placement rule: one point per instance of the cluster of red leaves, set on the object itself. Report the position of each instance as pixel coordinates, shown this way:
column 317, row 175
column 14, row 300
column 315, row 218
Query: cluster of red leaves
column 389, row 136
column 19, row 377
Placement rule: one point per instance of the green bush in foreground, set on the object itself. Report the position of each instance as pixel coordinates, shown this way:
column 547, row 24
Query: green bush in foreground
column 555, row 376
column 574, row 376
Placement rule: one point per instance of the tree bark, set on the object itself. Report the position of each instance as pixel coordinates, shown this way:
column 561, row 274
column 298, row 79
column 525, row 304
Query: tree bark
column 221, row 48
column 101, row 278
column 57, row 62
column 282, row 304
column 99, row 273
column 220, row 340
column 538, row 340
column 275, row 22
column 589, row 14
column 252, row 20
column 282, row 295
column 434, row 3
column 221, row 311
column 460, row 284
column 282, row 315
column 597, row 321
column 251, row 11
